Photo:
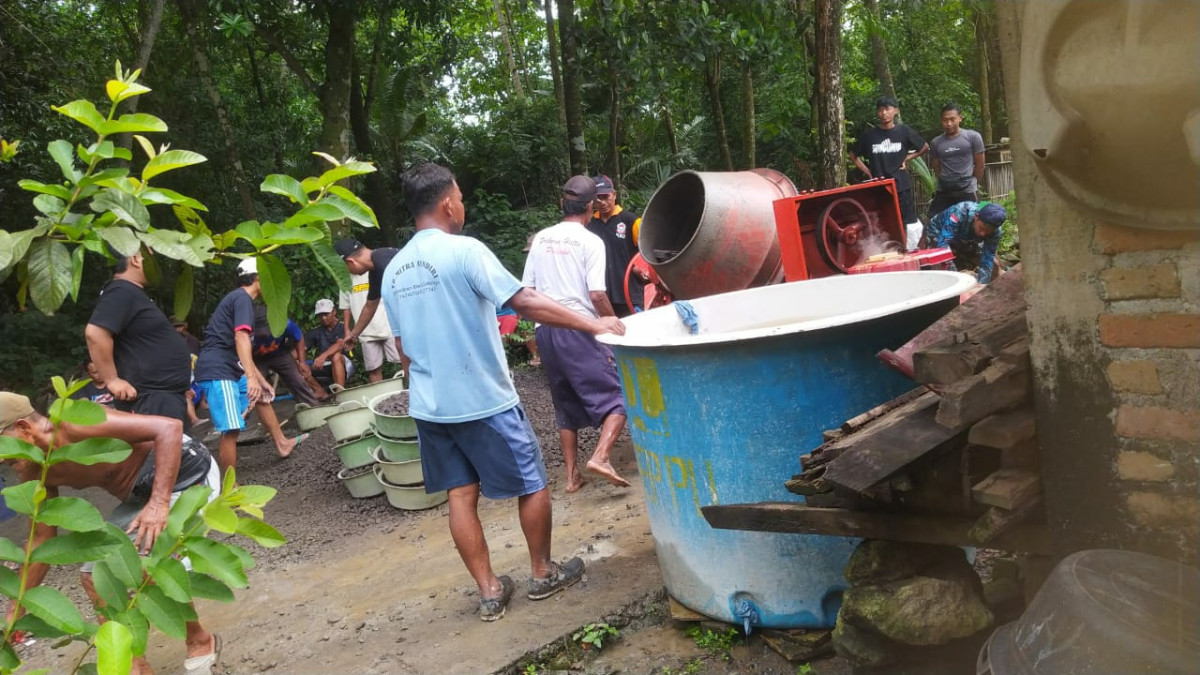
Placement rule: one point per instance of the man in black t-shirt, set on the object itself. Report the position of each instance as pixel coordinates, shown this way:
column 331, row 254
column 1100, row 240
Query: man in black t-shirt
column 884, row 152
column 361, row 260
column 225, row 369
column 144, row 363
column 618, row 229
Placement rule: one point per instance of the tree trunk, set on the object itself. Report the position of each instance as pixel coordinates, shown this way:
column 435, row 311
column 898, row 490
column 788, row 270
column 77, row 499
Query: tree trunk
column 335, row 92
column 556, row 71
column 830, row 113
column 879, row 57
column 981, row 58
column 614, row 125
column 572, row 77
column 669, row 123
column 188, row 11
column 749, row 135
column 377, row 193
column 148, row 36
column 506, row 44
column 256, row 76
column 712, row 82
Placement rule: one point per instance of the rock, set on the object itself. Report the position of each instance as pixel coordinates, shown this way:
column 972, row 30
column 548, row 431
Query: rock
column 860, row 647
column 876, row 561
column 917, row 611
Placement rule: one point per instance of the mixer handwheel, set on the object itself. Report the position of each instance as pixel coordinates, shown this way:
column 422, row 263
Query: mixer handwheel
column 842, row 226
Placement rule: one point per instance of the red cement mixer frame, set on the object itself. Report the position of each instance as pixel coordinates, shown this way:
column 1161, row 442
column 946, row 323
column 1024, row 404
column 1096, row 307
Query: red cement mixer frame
column 798, row 221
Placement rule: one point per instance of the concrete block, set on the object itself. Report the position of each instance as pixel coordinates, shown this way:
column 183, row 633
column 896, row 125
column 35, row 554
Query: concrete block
column 1134, row 377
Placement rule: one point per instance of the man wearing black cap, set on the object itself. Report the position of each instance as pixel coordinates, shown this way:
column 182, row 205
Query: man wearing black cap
column 361, row 260
column 567, row 263
column 618, row 229
column 886, row 150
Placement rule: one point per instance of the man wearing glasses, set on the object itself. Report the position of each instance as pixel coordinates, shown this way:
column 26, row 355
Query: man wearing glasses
column 618, row 229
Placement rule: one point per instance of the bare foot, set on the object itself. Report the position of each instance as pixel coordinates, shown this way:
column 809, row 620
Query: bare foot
column 605, row 470
column 576, row 484
column 286, row 449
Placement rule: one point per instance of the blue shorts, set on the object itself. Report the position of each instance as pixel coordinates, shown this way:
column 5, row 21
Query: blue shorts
column 500, row 453
column 227, row 401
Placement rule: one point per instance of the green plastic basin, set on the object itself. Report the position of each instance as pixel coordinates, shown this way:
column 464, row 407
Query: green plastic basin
column 358, row 452
column 362, row 482
column 399, row 451
column 399, row 427
column 409, row 497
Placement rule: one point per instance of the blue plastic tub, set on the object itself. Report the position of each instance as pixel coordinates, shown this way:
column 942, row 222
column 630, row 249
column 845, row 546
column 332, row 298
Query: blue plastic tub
column 722, row 417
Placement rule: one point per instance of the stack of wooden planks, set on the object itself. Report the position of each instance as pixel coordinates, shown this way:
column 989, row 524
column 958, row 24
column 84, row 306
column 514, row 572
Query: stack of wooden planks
column 954, row 461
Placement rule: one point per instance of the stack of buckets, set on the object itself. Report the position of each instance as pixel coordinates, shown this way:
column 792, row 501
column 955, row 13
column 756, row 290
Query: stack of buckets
column 380, row 455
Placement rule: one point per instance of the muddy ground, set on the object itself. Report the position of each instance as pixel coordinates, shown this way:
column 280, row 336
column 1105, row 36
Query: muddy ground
column 362, row 587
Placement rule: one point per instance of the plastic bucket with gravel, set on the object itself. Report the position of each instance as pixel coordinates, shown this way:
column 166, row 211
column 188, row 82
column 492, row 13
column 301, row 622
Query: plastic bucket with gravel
column 309, row 418
column 351, row 421
column 400, row 473
column 362, row 481
column 391, row 416
column 365, row 392
column 409, row 497
column 398, row 451
column 359, row 451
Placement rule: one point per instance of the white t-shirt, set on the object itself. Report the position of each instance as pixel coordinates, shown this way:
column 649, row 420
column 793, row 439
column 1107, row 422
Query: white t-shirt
column 566, row 262
column 378, row 329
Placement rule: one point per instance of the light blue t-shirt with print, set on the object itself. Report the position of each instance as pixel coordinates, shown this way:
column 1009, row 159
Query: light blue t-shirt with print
column 441, row 292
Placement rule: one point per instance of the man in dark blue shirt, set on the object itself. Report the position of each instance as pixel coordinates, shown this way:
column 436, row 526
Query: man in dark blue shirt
column 968, row 227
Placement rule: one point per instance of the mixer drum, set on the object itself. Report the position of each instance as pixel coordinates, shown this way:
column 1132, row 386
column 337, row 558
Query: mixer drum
column 714, row 232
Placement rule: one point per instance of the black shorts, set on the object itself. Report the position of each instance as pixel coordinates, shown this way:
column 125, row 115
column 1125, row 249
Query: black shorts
column 158, row 402
column 908, row 209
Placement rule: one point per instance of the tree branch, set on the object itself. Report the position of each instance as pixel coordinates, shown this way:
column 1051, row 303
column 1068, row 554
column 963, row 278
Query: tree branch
column 289, row 58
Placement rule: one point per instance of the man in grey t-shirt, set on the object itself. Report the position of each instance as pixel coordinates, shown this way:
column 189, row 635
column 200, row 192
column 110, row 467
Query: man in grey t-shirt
column 958, row 162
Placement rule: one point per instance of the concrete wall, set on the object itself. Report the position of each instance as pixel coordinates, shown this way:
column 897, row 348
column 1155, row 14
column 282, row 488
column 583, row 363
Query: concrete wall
column 1114, row 317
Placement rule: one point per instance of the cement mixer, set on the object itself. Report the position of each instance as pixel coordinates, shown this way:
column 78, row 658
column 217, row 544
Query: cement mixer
column 705, row 233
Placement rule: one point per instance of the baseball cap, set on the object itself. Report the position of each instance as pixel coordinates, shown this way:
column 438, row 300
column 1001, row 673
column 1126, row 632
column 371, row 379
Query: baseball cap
column 345, row 247
column 580, row 188
column 12, row 408
column 886, row 102
column 248, row 266
column 993, row 214
column 324, row 305
column 604, row 185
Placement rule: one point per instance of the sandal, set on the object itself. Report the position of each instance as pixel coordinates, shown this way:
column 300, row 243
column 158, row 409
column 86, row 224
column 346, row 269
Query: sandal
column 203, row 665
column 491, row 609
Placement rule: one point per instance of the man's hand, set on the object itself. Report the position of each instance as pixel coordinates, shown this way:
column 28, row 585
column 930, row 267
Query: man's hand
column 609, row 324
column 305, row 371
column 318, row 363
column 148, row 525
column 253, row 390
column 348, row 341
column 122, row 390
column 642, row 275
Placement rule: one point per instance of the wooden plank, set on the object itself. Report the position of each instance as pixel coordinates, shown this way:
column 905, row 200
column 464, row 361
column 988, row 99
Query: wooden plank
column 891, row 443
column 797, row 518
column 1005, row 430
column 679, row 612
column 998, row 387
column 1004, row 297
column 993, row 525
column 1007, row 488
column 859, row 421
column 1026, row 455
column 799, row 644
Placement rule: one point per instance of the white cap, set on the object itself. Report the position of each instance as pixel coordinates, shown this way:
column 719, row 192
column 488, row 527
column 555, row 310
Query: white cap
column 248, row 266
column 324, row 305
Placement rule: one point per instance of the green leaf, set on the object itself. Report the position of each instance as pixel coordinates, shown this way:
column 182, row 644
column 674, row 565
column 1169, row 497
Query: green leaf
column 351, row 206
column 193, row 224
column 71, row 513
column 9, row 661
column 184, row 286
column 147, row 146
column 15, row 448
column 186, row 506
column 56, row 190
column 24, row 497
column 162, row 612
column 76, row 271
column 169, row 161
column 10, row 551
column 108, row 150
column 10, row 582
column 84, row 112
column 230, row 479
column 118, row 90
column 204, row 586
column 124, row 562
column 114, row 649
column 76, row 547
column 6, row 251
column 92, row 451
column 172, row 578
column 257, row 495
column 220, row 518
column 109, row 587
column 319, row 212
column 343, row 172
column 243, row 556
column 77, row 411
column 252, row 232
column 62, row 152
column 333, row 263
column 49, row 274
column 54, row 608
column 287, row 186
column 283, row 235
column 159, row 195
column 173, row 244
column 276, row 286
column 133, row 123
column 327, row 157
column 126, row 207
column 49, row 205
column 138, row 626
column 122, row 239
column 216, row 559
column 35, row 626
column 263, row 534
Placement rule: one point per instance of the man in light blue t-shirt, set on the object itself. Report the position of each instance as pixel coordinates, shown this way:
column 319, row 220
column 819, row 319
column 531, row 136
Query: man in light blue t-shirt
column 441, row 293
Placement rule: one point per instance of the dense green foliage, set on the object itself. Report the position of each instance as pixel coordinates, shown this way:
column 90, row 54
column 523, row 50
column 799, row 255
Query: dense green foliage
column 255, row 85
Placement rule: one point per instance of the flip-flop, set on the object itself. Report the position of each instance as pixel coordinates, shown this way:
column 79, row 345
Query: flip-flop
column 301, row 438
column 203, row 665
